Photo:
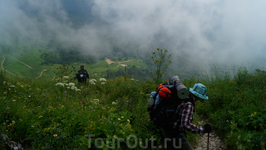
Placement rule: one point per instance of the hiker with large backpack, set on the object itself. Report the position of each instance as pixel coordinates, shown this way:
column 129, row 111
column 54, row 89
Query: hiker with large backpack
column 82, row 75
column 171, row 108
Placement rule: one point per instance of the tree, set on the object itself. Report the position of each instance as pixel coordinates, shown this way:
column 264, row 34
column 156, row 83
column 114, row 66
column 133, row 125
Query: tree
column 161, row 60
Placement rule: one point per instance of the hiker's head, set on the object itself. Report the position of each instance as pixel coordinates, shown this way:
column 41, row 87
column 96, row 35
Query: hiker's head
column 81, row 66
column 200, row 91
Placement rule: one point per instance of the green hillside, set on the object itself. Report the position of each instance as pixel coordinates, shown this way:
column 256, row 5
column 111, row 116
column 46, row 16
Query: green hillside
column 17, row 61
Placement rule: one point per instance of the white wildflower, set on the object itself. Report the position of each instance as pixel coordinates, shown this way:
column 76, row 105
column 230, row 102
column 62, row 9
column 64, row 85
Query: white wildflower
column 65, row 77
column 128, row 120
column 68, row 87
column 92, row 81
column 32, row 126
column 102, row 79
column 12, row 86
column 14, row 100
column 96, row 100
column 119, row 119
column 132, row 79
column 122, row 117
column 71, row 84
column 60, row 84
column 76, row 89
column 113, row 103
column 72, row 87
column 103, row 83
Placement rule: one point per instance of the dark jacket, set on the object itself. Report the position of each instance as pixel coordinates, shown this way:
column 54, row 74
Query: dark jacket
column 84, row 72
column 82, row 75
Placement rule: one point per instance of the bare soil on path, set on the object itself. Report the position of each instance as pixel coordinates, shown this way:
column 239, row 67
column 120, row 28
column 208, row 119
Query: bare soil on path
column 41, row 73
column 119, row 63
column 215, row 142
column 2, row 67
column 22, row 62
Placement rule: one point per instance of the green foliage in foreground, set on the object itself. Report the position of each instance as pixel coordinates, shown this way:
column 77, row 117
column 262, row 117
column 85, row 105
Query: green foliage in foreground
column 42, row 115
column 237, row 110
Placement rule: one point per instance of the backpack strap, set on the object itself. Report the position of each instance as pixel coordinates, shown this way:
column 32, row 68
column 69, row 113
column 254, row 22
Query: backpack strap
column 188, row 99
column 154, row 97
column 157, row 92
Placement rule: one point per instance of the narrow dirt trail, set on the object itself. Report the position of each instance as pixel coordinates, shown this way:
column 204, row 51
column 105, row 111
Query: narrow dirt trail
column 2, row 67
column 2, row 64
column 215, row 142
column 41, row 73
column 22, row 62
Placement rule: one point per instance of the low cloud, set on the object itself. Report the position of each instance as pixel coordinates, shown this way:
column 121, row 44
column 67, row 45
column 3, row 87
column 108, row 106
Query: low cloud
column 208, row 32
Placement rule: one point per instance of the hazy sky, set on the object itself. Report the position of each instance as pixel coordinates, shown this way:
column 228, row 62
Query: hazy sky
column 209, row 31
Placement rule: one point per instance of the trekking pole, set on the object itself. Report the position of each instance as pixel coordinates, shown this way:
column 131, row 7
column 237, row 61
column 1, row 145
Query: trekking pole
column 208, row 142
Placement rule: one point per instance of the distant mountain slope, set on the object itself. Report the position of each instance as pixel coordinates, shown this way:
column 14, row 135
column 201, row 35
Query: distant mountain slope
column 27, row 62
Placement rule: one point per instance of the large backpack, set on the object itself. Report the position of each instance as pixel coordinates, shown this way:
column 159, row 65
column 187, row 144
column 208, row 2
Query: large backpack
column 163, row 110
column 82, row 75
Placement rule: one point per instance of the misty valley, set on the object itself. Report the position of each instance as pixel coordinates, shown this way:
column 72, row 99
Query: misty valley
column 100, row 74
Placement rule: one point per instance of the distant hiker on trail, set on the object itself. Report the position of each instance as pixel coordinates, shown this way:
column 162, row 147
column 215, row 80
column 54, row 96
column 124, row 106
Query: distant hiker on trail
column 82, row 74
column 174, row 113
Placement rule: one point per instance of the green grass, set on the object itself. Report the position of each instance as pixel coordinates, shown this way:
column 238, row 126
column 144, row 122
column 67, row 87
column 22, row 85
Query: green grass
column 61, row 120
column 236, row 108
column 41, row 115
column 31, row 57
column 102, row 66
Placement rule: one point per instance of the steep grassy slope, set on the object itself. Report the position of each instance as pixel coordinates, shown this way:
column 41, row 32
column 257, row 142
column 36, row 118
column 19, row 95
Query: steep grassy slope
column 17, row 61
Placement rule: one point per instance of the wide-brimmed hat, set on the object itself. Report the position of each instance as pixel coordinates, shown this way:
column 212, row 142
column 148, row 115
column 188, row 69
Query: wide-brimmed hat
column 199, row 90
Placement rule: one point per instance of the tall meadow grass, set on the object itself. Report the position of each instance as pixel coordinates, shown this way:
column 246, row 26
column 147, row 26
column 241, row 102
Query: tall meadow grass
column 59, row 114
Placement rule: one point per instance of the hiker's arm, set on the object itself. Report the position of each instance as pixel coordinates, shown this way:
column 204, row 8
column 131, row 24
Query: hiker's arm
column 186, row 119
column 87, row 74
